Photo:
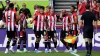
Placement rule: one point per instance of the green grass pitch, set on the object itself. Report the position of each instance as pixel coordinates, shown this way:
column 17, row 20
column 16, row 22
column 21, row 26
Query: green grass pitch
column 61, row 53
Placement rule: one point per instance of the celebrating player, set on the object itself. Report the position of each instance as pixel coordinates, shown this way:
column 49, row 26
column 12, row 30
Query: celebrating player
column 65, row 19
column 22, row 31
column 40, row 18
column 10, row 17
column 46, row 30
column 52, row 29
column 74, row 25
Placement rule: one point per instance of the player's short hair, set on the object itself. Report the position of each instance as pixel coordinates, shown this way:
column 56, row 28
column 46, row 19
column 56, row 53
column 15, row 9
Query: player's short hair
column 36, row 6
column 11, row 5
column 24, row 4
column 87, row 6
column 73, row 7
column 48, row 7
column 42, row 7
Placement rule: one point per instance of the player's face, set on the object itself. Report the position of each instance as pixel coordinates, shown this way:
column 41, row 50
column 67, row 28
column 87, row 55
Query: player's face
column 63, row 11
column 38, row 9
column 47, row 10
column 95, row 2
column 71, row 9
column 41, row 11
column 24, row 6
column 52, row 11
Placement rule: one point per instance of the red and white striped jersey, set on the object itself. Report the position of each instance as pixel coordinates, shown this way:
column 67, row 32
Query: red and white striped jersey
column 65, row 23
column 22, row 22
column 74, row 18
column 40, row 22
column 52, row 22
column 10, row 20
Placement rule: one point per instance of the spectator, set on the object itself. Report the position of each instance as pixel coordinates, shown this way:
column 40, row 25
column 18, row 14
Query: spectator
column 81, row 7
column 99, row 11
column 27, row 11
column 95, row 8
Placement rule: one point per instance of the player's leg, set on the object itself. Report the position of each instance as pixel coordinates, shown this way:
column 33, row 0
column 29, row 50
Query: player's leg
column 38, row 38
column 46, row 41
column 74, row 45
column 54, row 38
column 49, row 41
column 8, row 41
column 88, row 43
column 62, row 37
column 70, row 44
column 88, row 35
column 20, row 40
column 14, row 41
column 24, row 42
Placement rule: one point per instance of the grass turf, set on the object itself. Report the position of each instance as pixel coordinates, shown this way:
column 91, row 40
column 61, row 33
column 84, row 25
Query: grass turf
column 61, row 53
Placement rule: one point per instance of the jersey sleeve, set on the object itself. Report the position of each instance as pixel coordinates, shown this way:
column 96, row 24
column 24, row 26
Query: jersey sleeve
column 69, row 19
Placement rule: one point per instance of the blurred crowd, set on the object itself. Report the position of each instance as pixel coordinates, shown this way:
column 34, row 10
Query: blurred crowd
column 94, row 7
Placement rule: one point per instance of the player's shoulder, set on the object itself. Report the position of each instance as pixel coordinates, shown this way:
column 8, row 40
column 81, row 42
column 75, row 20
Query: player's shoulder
column 75, row 14
column 69, row 16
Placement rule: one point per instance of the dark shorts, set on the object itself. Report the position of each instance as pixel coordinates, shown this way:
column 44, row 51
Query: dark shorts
column 51, row 33
column 11, row 34
column 34, row 29
column 39, row 33
column 88, row 33
column 63, row 34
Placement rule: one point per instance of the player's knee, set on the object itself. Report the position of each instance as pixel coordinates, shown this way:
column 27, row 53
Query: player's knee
column 90, row 40
column 15, row 39
column 37, row 40
column 55, row 39
column 86, row 40
column 9, row 39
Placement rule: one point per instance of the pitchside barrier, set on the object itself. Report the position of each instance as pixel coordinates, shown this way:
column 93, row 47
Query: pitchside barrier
column 31, row 40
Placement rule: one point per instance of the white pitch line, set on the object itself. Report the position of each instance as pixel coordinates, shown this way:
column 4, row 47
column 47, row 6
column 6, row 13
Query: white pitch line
column 74, row 54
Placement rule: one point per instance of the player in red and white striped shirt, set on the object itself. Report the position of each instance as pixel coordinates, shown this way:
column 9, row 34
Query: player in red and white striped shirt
column 45, row 29
column 22, row 31
column 52, row 18
column 65, row 19
column 94, row 8
column 74, row 26
column 39, row 26
column 11, row 19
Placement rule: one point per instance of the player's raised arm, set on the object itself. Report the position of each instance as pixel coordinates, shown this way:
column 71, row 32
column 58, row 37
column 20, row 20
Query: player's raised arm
column 34, row 17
